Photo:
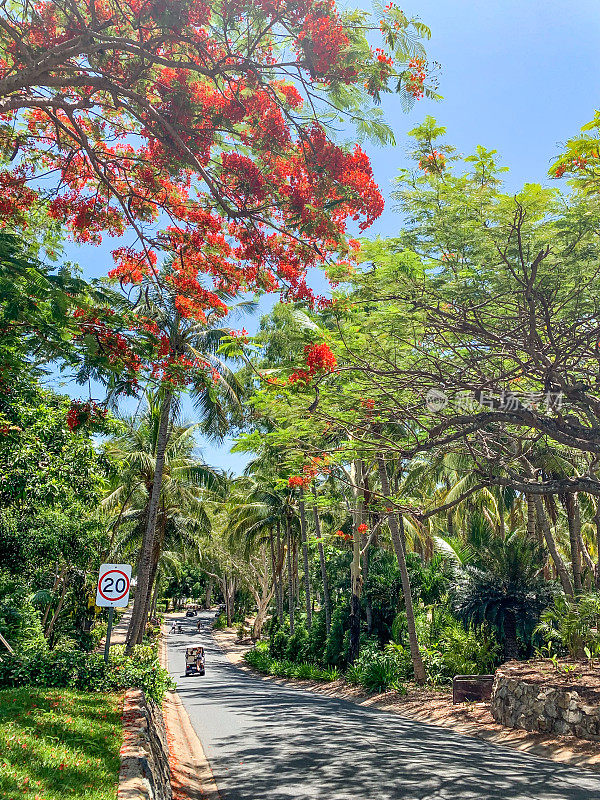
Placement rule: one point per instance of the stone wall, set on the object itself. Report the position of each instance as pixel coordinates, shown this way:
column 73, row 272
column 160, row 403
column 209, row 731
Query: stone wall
column 144, row 772
column 548, row 709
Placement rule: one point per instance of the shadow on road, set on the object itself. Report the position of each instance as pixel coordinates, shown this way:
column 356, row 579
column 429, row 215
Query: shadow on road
column 270, row 741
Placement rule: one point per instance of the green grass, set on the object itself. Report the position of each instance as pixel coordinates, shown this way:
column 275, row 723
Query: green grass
column 58, row 743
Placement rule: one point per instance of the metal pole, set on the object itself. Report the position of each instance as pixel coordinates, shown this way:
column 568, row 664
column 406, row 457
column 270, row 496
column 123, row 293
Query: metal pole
column 111, row 612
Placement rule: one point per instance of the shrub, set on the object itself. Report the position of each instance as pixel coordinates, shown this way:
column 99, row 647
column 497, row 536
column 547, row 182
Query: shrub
column 336, row 648
column 278, row 644
column 317, row 639
column 326, row 673
column 573, row 624
column 259, row 659
column 220, row 622
column 297, row 645
column 468, row 652
column 382, row 672
column 304, row 671
column 354, row 675
column 67, row 666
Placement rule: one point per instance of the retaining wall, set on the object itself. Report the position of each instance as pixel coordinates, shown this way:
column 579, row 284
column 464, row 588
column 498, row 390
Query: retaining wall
column 548, row 709
column 144, row 772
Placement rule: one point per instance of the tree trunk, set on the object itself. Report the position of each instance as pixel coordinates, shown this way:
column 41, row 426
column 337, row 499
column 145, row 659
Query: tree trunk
column 560, row 565
column 397, row 531
column 323, row 564
column 304, row 538
column 56, row 614
column 531, row 526
column 57, row 581
column 156, row 551
column 597, row 521
column 574, row 521
column 208, row 594
column 291, row 594
column 355, row 573
column 365, row 575
column 154, row 598
column 511, row 643
column 145, row 560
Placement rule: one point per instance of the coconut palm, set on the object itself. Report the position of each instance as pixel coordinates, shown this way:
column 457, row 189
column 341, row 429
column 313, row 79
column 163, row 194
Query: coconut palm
column 215, row 394
column 185, row 481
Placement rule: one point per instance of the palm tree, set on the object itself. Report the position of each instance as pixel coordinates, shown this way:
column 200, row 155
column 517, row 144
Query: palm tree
column 215, row 394
column 185, row 481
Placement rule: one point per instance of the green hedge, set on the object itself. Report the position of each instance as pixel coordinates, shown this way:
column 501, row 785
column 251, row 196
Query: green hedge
column 68, row 666
column 259, row 659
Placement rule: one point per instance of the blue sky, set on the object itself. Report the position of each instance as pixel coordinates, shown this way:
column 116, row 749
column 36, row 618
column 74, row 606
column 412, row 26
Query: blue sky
column 517, row 76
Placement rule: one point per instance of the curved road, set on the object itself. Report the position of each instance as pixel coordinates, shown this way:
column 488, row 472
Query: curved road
column 271, row 742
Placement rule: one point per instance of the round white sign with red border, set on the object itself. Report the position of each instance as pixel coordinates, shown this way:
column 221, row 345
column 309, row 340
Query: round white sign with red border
column 114, row 582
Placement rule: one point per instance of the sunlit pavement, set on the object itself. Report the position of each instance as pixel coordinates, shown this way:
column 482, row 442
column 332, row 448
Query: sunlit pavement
column 270, row 742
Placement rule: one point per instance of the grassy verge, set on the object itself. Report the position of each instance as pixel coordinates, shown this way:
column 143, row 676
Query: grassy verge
column 58, row 743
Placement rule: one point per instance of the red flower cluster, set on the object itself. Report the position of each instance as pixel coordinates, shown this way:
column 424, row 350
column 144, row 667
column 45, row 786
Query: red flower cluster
column 347, row 537
column 415, row 77
column 321, row 41
column 111, row 344
column 319, row 359
column 434, row 162
column 296, row 482
column 362, row 528
column 84, row 414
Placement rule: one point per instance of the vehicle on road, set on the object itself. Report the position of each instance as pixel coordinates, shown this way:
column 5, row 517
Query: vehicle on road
column 194, row 661
column 191, row 613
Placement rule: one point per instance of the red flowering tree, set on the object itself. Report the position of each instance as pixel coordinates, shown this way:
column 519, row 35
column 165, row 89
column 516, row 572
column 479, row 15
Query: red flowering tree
column 203, row 130
column 202, row 127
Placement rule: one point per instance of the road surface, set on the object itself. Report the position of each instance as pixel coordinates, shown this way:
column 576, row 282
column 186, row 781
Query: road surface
column 270, row 742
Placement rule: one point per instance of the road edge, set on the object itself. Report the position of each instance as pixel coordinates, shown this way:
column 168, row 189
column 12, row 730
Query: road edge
column 192, row 775
column 522, row 741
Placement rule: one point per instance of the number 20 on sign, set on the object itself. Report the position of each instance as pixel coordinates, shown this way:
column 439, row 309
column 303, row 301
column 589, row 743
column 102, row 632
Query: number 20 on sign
column 113, row 585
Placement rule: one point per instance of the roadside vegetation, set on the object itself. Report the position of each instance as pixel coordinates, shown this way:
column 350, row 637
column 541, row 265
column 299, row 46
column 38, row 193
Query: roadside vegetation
column 57, row 744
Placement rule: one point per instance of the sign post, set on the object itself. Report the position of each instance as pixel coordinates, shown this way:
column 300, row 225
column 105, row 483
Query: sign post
column 114, row 582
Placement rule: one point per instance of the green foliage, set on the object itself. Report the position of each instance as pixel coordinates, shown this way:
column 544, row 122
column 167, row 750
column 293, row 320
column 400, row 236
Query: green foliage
column 278, row 644
column 336, row 650
column 573, row 624
column 220, row 622
column 379, row 670
column 68, row 666
column 297, row 646
column 259, row 659
column 505, row 589
column 19, row 620
column 317, row 639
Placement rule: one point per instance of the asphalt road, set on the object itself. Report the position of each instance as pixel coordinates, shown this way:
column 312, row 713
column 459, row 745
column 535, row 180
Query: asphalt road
column 271, row 742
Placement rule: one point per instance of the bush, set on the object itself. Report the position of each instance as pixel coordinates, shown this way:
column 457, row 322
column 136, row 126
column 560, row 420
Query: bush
column 468, row 652
column 336, row 648
column 380, row 670
column 220, row 622
column 19, row 621
column 317, row 639
column 297, row 645
column 259, row 659
column 278, row 644
column 67, row 666
column 572, row 624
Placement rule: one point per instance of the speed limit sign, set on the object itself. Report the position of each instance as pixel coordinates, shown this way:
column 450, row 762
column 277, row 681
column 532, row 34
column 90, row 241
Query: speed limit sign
column 113, row 585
